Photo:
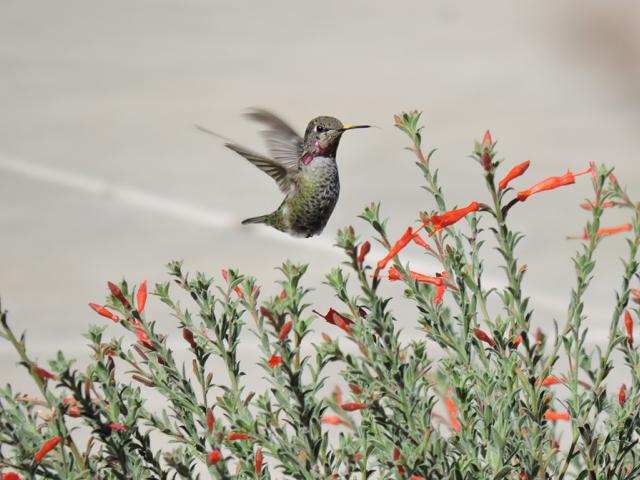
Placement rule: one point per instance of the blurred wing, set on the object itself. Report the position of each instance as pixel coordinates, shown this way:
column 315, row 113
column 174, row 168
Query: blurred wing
column 284, row 144
column 271, row 167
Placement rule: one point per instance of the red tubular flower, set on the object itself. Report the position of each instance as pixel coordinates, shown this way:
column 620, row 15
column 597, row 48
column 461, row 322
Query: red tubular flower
column 275, row 360
column 364, row 249
column 603, row 232
column 515, row 172
column 355, row 388
column 399, row 245
column 72, row 404
column 416, row 477
column 588, row 206
column 517, row 341
column 46, row 448
column 266, row 313
column 100, row 310
column 116, row 292
column 238, row 436
column 258, row 461
column 142, row 296
column 553, row 381
column 211, row 421
column 337, row 395
column 613, row 230
column 334, row 318
column 284, row 331
column 487, row 140
column 622, row 395
column 10, row 476
column 117, row 426
column 551, row 183
column 554, row 416
column 420, row 241
column 636, row 295
column 396, row 458
column 353, row 406
column 440, row 289
column 394, row 275
column 187, row 334
column 483, row 337
column 451, row 408
column 43, row 374
column 214, row 457
column 449, row 218
column 332, row 420
column 628, row 325
column 144, row 340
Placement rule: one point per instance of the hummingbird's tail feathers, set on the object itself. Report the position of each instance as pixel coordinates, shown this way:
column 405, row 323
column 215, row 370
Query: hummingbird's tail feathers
column 271, row 167
column 259, row 219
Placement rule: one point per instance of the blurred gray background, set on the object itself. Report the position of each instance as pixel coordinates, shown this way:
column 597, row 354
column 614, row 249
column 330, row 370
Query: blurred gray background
column 102, row 174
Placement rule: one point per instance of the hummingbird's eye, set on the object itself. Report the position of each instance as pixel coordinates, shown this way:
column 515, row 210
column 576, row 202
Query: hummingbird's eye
column 320, row 129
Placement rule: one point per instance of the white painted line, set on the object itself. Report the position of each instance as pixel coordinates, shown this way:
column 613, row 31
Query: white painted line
column 175, row 208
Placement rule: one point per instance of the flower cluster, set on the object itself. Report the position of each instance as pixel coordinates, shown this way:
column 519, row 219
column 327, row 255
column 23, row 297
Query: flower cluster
column 474, row 385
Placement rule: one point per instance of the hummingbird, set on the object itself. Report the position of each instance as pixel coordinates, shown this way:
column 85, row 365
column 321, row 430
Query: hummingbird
column 304, row 168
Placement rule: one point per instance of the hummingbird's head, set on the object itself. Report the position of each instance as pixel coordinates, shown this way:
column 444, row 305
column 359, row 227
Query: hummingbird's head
column 323, row 135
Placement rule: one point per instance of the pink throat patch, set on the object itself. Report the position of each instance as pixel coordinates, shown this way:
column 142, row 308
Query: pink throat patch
column 307, row 158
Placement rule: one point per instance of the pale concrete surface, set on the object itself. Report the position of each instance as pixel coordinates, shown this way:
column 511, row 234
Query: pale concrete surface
column 102, row 174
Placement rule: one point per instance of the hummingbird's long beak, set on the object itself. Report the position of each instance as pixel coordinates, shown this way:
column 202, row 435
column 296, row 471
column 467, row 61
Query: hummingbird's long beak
column 346, row 127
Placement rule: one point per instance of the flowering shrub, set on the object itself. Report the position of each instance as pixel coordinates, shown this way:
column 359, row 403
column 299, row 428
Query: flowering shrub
column 488, row 405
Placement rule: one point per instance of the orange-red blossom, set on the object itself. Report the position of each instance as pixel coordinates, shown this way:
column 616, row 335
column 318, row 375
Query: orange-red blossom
column 628, row 325
column 353, row 406
column 333, row 420
column 364, row 249
column 187, row 334
column 142, row 297
column 284, row 330
column 275, row 360
column 551, row 183
column 116, row 292
column 10, row 476
column 483, row 337
column 451, row 408
column 515, row 172
column 100, row 310
column 238, row 436
column 394, row 275
column 399, row 245
column 43, row 374
column 603, row 232
column 46, row 448
column 589, row 206
column 258, row 461
column 117, row 426
column 554, row 416
column 214, row 457
column 449, row 218
column 334, row 318
column 553, row 381
column 211, row 421
column 144, row 340
column 622, row 395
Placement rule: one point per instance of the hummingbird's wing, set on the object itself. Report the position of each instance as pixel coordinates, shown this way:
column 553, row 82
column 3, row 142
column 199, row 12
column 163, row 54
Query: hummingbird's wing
column 284, row 144
column 273, row 168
